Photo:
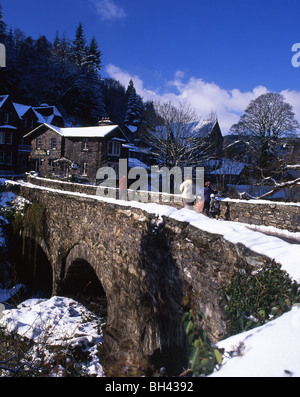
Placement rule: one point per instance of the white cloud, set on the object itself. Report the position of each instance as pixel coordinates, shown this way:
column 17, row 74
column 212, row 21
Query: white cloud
column 203, row 96
column 108, row 10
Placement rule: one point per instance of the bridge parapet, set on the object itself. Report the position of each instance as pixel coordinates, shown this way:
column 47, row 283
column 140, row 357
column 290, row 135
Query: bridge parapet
column 143, row 196
column 256, row 212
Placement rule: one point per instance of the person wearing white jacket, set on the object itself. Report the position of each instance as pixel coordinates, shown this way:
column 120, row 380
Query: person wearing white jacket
column 187, row 188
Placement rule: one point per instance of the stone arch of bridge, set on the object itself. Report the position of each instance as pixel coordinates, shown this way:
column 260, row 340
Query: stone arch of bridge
column 33, row 263
column 80, row 274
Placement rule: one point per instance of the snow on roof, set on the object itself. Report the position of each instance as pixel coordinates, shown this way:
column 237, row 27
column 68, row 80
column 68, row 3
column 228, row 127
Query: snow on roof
column 137, row 163
column 229, row 167
column 205, row 127
column 132, row 148
column 3, row 99
column 21, row 109
column 87, row 132
column 41, row 109
column 41, row 119
column 131, row 128
column 80, row 132
column 8, row 127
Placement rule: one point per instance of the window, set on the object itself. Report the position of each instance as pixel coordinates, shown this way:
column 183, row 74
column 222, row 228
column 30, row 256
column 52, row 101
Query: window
column 84, row 169
column 114, row 148
column 53, row 143
column 38, row 143
column 51, row 165
column 6, row 118
column 85, row 144
column 5, row 157
column 6, row 138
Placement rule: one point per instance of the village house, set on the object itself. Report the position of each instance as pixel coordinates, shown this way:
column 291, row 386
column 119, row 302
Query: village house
column 76, row 152
column 15, row 121
column 10, row 126
column 230, row 172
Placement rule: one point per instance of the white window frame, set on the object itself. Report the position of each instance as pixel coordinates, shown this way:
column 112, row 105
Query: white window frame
column 53, row 144
column 85, row 144
column 84, row 168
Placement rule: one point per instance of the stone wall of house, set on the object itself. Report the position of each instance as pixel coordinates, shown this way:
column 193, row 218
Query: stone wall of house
column 80, row 154
column 146, row 265
column 44, row 151
column 280, row 215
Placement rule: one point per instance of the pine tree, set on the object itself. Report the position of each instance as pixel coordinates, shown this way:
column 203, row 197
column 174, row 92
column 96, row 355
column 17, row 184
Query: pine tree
column 130, row 89
column 94, row 56
column 115, row 100
column 3, row 26
column 80, row 48
column 134, row 106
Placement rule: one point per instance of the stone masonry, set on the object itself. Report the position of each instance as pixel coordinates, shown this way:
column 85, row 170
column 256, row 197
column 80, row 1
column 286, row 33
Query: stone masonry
column 280, row 215
column 145, row 264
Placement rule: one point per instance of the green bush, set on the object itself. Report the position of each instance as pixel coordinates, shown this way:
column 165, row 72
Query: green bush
column 203, row 357
column 252, row 300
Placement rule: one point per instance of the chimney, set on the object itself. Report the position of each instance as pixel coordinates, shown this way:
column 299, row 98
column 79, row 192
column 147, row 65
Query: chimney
column 104, row 121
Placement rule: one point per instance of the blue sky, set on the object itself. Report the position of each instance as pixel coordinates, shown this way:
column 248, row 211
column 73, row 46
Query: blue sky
column 216, row 54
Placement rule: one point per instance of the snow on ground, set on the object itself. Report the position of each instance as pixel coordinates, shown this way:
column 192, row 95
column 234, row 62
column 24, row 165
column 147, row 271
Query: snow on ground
column 58, row 321
column 270, row 350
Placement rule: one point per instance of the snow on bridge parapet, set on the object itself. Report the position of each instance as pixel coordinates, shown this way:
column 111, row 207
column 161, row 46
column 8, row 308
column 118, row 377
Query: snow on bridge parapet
column 232, row 228
column 153, row 197
column 281, row 215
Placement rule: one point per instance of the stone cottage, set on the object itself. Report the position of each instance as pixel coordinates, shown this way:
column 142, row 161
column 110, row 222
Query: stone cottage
column 76, row 152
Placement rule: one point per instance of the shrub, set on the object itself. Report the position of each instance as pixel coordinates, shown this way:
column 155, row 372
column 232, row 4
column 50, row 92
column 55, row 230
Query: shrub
column 203, row 357
column 252, row 300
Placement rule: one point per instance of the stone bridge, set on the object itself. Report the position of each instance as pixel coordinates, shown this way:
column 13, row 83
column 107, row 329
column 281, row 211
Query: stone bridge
column 144, row 263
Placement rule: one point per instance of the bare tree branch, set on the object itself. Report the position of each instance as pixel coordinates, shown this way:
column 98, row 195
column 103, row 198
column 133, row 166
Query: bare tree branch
column 277, row 188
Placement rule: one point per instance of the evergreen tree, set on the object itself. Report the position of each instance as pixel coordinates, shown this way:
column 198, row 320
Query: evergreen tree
column 94, row 57
column 3, row 26
column 62, row 47
column 115, row 100
column 134, row 106
column 130, row 90
column 80, row 48
column 66, row 74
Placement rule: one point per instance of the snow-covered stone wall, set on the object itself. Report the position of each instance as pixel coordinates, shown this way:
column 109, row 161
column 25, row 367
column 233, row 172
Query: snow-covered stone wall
column 255, row 212
column 262, row 212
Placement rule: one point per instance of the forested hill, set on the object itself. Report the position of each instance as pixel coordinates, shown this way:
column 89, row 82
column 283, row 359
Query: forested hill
column 66, row 73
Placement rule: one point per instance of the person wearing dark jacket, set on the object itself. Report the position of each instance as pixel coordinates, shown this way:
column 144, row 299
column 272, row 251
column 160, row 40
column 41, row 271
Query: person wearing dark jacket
column 214, row 207
column 207, row 192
